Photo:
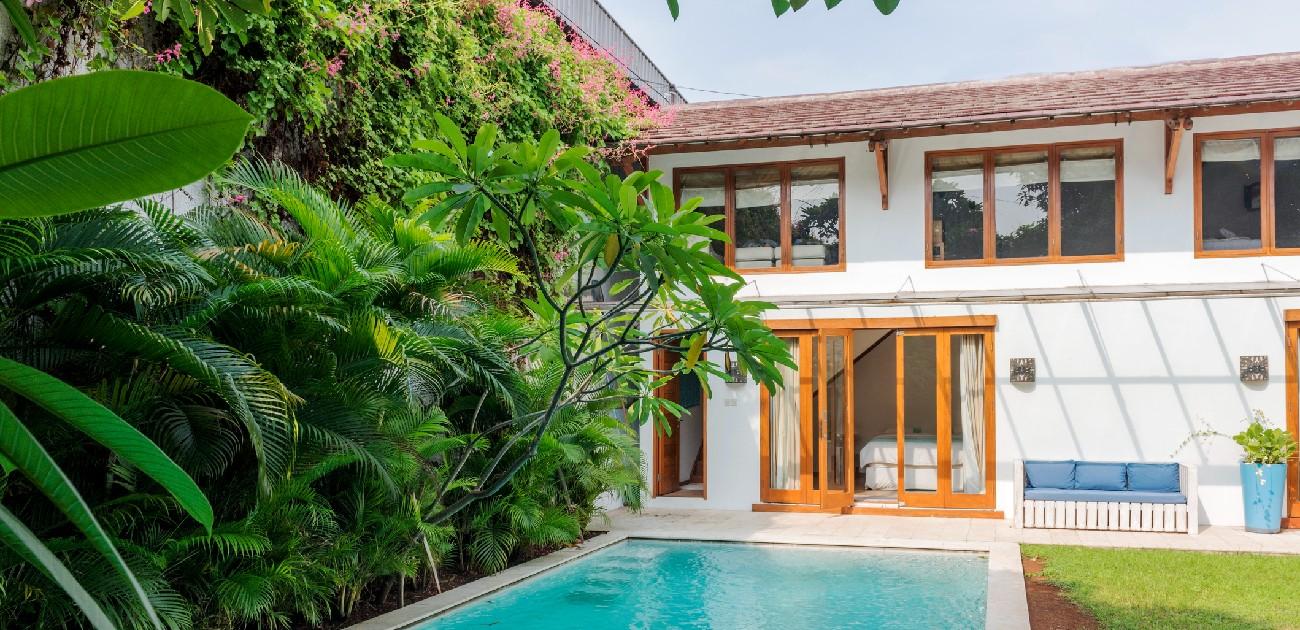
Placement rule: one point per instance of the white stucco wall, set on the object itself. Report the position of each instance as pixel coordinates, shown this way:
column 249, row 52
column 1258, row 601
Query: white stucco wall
column 1117, row 380
column 884, row 249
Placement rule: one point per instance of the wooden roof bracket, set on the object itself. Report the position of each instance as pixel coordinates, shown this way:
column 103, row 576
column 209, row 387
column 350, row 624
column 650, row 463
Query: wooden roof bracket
column 1175, row 125
column 881, row 149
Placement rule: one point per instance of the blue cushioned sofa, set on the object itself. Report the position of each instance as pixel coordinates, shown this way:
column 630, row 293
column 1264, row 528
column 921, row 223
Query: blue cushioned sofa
column 1121, row 496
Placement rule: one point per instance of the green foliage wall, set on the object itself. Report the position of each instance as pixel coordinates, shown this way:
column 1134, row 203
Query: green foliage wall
column 338, row 85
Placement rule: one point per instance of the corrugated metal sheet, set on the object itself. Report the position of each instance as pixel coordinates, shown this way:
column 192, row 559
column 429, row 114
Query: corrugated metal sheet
column 594, row 23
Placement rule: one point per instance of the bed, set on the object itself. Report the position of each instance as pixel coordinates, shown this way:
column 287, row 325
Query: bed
column 878, row 460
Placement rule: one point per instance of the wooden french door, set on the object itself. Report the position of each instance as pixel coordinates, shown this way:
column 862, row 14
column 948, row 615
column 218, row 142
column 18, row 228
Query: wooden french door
column 1292, row 415
column 667, row 444
column 806, row 449
column 945, row 418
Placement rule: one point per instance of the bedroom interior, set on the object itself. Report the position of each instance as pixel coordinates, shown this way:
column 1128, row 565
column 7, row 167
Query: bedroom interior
column 875, row 417
column 877, row 420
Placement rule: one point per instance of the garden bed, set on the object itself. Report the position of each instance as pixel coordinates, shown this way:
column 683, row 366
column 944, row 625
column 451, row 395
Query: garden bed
column 1049, row 607
column 373, row 605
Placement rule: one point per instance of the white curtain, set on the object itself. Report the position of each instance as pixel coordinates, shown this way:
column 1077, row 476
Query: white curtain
column 972, row 413
column 784, row 412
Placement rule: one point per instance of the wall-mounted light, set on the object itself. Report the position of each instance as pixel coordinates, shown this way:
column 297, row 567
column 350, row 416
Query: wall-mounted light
column 1254, row 368
column 735, row 373
column 1023, row 370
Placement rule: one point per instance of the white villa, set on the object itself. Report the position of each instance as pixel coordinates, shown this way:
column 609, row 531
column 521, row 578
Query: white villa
column 1082, row 266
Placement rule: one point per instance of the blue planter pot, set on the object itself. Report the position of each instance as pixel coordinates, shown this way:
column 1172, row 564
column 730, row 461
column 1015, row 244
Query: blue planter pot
column 1263, row 487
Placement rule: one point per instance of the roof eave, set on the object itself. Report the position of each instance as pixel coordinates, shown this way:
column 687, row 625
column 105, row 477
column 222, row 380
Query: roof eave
column 939, row 128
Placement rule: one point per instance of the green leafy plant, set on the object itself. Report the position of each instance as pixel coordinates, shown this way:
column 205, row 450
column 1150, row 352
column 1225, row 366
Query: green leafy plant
column 1265, row 444
column 100, row 138
column 204, row 17
column 630, row 237
column 77, row 143
column 22, row 23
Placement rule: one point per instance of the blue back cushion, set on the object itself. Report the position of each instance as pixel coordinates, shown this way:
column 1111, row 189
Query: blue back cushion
column 1045, row 474
column 1100, row 476
column 1153, row 477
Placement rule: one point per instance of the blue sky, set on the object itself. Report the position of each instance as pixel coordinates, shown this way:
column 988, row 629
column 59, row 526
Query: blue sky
column 739, row 46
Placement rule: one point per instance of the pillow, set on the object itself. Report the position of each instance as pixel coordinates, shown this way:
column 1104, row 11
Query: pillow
column 1100, row 476
column 1044, row 474
column 1153, row 477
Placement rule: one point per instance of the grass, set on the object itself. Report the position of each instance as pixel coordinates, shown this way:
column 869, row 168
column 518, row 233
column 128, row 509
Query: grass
column 1152, row 588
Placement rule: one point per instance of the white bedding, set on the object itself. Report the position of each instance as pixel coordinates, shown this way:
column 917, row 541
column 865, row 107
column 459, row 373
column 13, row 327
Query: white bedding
column 879, row 462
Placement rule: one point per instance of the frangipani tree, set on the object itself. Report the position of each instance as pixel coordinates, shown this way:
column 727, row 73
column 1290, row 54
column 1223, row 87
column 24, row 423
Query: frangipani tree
column 629, row 235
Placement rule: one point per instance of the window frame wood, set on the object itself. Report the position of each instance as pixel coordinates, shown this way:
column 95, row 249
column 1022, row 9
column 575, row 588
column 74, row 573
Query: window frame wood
column 1267, row 201
column 787, row 250
column 1054, row 255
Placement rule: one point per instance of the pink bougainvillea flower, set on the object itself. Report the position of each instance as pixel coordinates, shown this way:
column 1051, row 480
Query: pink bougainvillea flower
column 335, row 64
column 169, row 54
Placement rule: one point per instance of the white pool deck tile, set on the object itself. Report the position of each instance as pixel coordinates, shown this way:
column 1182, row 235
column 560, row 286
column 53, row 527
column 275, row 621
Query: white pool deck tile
column 908, row 531
column 1007, row 608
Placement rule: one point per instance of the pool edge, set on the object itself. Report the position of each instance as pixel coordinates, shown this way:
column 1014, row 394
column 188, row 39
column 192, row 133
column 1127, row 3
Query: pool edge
column 425, row 609
column 1006, row 603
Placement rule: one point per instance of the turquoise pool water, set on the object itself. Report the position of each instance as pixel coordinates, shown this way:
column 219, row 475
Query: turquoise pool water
column 661, row 584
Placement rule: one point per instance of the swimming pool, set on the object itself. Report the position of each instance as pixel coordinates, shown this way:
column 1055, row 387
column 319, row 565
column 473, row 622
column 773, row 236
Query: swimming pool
column 669, row 584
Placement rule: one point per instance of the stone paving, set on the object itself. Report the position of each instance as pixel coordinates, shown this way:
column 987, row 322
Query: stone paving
column 935, row 533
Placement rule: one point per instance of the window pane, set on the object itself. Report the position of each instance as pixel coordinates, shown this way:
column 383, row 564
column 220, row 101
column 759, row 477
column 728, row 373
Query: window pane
column 1088, row 201
column 758, row 218
column 816, row 417
column 815, row 215
column 1020, row 188
column 957, row 207
column 838, row 441
column 1230, row 216
column 1286, row 191
column 711, row 187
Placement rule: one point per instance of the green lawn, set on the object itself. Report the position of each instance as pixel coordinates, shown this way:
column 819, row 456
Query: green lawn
column 1147, row 588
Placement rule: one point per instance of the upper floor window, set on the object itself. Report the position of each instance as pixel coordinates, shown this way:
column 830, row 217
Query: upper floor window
column 1247, row 193
column 780, row 217
column 1042, row 203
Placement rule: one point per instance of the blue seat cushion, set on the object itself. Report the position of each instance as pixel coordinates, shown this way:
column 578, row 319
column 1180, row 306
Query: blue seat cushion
column 1049, row 474
column 1153, row 477
column 1103, row 496
column 1101, row 476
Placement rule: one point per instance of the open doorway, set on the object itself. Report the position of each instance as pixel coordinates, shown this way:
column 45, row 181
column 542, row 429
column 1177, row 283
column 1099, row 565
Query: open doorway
column 923, row 417
column 876, row 416
column 680, row 453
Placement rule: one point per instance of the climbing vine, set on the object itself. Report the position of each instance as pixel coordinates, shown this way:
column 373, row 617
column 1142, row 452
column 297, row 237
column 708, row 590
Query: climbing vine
column 336, row 85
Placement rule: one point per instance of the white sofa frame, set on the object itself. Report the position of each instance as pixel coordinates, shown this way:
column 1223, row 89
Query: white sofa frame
column 1114, row 516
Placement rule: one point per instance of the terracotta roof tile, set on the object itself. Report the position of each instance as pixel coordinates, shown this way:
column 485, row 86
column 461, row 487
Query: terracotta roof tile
column 1168, row 86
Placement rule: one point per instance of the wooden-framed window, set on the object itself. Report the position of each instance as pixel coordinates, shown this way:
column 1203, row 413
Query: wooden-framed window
column 1047, row 203
column 1247, row 193
column 782, row 217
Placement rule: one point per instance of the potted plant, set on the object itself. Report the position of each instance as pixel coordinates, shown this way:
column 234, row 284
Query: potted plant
column 1263, row 473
